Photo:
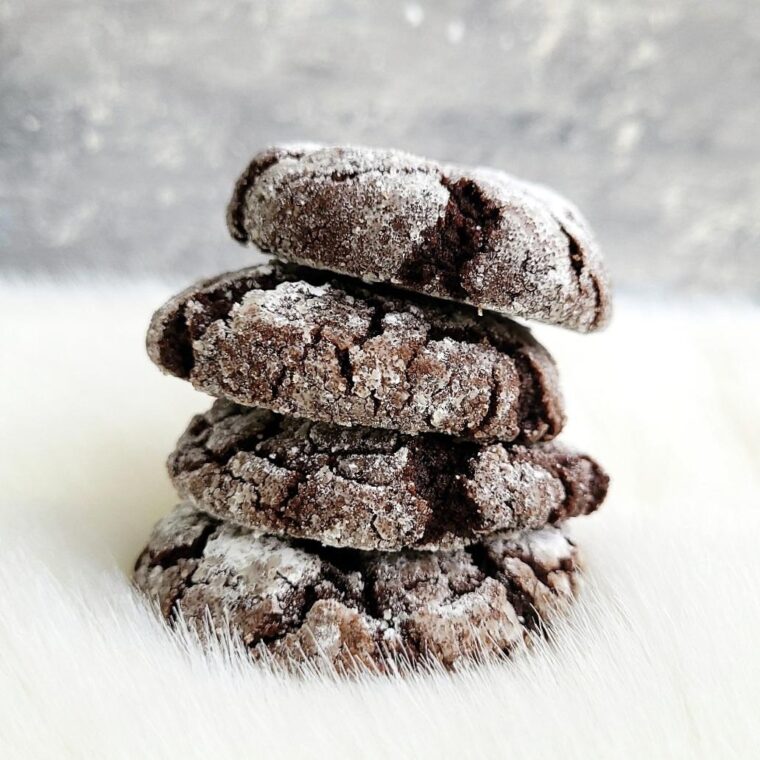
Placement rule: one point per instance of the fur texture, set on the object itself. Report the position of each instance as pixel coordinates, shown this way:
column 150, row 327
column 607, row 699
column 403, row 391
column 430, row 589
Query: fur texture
column 659, row 658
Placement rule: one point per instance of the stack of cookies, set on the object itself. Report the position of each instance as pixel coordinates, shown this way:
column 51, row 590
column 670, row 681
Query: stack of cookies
column 377, row 481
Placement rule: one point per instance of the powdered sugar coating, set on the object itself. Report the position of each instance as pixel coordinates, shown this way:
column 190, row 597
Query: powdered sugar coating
column 477, row 236
column 327, row 348
column 374, row 489
column 347, row 609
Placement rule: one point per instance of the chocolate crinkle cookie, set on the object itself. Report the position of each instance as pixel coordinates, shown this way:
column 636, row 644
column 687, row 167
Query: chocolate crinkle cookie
column 328, row 348
column 299, row 602
column 374, row 489
column 478, row 236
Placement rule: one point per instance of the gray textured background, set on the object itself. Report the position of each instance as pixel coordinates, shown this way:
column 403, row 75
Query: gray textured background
column 123, row 124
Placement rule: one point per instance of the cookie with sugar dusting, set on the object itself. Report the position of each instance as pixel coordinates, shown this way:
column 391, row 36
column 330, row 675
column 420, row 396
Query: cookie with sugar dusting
column 316, row 345
column 478, row 236
column 374, row 489
column 299, row 602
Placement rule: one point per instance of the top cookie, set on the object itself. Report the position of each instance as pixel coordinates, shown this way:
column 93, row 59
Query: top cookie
column 478, row 236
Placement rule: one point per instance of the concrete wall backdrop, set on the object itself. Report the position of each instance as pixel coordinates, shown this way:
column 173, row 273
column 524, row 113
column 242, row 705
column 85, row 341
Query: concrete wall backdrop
column 123, row 124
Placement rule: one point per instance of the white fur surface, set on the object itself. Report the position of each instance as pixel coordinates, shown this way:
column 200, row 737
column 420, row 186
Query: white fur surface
column 659, row 659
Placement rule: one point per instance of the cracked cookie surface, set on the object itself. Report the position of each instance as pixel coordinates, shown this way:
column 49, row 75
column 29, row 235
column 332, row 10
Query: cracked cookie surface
column 300, row 602
column 478, row 236
column 374, row 489
column 316, row 345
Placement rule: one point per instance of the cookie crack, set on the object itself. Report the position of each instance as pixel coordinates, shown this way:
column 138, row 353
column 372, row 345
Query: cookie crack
column 461, row 233
column 191, row 551
column 285, row 578
column 346, row 175
column 345, row 367
column 452, row 512
column 577, row 260
column 521, row 600
column 493, row 402
column 532, row 409
column 599, row 314
column 579, row 266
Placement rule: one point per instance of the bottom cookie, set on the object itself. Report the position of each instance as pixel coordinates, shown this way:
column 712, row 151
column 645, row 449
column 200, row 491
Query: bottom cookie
column 303, row 603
